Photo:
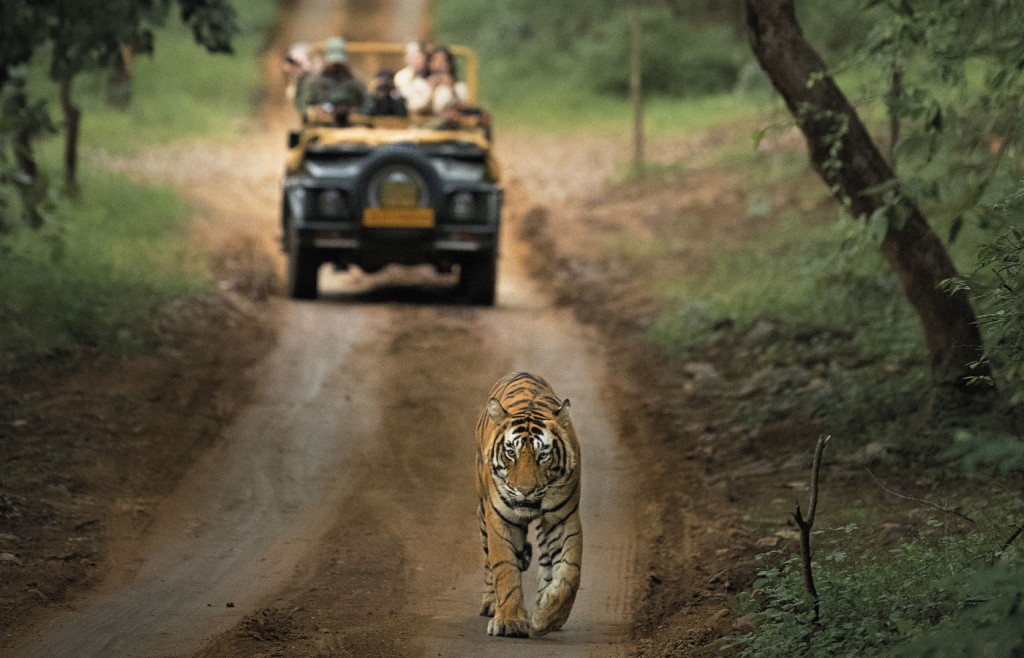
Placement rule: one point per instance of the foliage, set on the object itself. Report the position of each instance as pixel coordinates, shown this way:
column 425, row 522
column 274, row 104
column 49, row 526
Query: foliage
column 961, row 138
column 687, row 51
column 680, row 58
column 999, row 283
column 96, row 278
column 938, row 595
column 98, row 268
column 80, row 35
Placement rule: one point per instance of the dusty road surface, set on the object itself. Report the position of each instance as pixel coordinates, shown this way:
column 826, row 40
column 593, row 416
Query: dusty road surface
column 336, row 516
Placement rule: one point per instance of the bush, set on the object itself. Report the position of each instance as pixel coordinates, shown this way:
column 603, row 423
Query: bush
column 590, row 51
column 939, row 595
column 679, row 58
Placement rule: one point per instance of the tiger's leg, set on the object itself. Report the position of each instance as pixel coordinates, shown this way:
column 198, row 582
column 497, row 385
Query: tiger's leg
column 487, row 609
column 560, row 540
column 507, row 550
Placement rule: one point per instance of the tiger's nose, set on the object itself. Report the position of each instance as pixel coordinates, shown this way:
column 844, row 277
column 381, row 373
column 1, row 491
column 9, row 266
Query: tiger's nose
column 529, row 492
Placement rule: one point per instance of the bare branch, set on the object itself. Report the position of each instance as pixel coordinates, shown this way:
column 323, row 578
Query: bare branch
column 815, row 467
column 928, row 503
column 805, row 526
column 1012, row 538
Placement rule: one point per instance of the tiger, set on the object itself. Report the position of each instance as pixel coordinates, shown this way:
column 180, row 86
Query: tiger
column 528, row 469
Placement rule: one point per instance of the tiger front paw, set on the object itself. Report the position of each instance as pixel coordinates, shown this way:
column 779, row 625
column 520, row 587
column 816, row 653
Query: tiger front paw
column 516, row 627
column 552, row 610
column 487, row 609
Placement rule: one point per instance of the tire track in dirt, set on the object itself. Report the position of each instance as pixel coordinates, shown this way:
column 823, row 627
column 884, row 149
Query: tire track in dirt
column 239, row 523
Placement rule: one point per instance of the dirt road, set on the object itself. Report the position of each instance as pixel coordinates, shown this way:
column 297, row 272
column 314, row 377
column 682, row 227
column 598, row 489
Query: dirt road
column 337, row 513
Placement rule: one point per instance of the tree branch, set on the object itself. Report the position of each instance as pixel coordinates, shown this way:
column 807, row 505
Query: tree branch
column 928, row 503
column 805, row 525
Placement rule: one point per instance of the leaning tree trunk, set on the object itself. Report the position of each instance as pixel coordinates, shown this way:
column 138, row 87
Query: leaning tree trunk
column 853, row 168
column 72, row 121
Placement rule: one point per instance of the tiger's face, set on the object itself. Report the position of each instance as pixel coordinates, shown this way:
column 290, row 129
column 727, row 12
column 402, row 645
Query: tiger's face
column 530, row 453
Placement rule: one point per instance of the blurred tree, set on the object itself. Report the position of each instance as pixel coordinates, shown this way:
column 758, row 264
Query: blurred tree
column 843, row 153
column 84, row 35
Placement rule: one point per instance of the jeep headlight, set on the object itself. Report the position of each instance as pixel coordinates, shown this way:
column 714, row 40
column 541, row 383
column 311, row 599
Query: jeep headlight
column 398, row 187
column 463, row 206
column 331, row 204
column 459, row 170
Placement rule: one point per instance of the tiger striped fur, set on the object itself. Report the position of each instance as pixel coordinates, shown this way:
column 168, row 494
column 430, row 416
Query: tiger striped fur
column 528, row 469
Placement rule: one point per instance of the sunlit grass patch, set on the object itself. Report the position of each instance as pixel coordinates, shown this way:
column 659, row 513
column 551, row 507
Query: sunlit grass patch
column 96, row 278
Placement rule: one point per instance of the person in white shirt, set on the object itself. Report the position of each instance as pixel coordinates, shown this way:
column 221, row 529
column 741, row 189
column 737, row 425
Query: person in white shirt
column 415, row 69
column 441, row 89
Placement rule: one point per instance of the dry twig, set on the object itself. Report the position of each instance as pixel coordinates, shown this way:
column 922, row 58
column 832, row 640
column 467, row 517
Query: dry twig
column 928, row 503
column 805, row 525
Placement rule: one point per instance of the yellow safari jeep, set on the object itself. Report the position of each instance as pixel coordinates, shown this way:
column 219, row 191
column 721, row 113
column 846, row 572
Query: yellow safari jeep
column 409, row 190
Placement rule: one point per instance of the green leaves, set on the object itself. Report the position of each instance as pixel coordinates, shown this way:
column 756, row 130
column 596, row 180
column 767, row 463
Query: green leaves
column 79, row 36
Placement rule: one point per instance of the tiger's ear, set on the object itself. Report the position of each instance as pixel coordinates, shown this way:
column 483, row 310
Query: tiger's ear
column 496, row 411
column 562, row 415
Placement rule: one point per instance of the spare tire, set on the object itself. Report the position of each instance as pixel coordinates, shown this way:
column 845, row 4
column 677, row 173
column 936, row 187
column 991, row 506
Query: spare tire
column 399, row 158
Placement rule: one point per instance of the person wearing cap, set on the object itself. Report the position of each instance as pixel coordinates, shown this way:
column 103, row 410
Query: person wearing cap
column 335, row 91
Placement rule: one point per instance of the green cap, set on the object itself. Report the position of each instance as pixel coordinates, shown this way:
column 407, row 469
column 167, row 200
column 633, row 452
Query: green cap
column 334, row 50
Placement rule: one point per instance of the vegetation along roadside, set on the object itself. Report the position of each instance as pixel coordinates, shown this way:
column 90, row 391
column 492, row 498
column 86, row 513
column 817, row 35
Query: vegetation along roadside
column 776, row 323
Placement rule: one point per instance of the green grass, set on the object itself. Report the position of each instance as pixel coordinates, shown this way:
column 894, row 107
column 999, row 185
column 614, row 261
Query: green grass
column 108, row 259
column 946, row 593
column 539, row 105
column 96, row 278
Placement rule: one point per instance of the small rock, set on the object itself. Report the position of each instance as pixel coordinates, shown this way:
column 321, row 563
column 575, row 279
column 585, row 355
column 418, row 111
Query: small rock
column 796, row 462
column 872, row 453
column 230, row 604
column 761, row 467
column 701, row 370
column 762, row 331
column 9, row 558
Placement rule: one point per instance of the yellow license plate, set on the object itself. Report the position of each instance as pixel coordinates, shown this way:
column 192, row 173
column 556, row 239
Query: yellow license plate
column 398, row 217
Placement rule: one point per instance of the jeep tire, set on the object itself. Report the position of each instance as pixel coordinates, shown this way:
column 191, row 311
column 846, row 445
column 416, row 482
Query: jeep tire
column 303, row 271
column 478, row 279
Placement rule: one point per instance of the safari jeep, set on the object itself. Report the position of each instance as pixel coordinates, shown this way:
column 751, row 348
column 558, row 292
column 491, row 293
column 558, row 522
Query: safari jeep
column 393, row 190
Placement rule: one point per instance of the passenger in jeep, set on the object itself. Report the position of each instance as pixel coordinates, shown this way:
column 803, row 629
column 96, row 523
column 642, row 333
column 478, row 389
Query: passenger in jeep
column 335, row 91
column 441, row 89
column 415, row 69
column 384, row 99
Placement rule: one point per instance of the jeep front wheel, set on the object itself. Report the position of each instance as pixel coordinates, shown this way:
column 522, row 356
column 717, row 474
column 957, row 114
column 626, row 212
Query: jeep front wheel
column 303, row 270
column 478, row 280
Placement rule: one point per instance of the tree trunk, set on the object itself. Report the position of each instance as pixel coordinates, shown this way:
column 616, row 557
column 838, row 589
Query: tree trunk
column 851, row 167
column 636, row 90
column 72, row 121
column 29, row 184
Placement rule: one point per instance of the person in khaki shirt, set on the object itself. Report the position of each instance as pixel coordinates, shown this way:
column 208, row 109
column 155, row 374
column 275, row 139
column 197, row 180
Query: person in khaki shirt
column 335, row 91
